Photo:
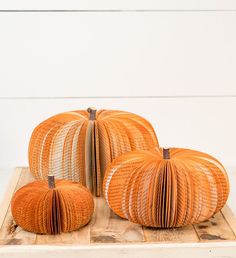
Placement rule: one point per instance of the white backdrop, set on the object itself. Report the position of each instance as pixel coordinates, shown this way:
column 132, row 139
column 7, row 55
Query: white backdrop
column 173, row 64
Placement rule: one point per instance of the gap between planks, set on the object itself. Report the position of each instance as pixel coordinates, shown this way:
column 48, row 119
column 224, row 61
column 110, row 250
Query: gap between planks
column 106, row 227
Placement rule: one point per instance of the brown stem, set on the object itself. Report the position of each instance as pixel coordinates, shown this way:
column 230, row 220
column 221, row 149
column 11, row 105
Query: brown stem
column 92, row 113
column 166, row 153
column 51, row 181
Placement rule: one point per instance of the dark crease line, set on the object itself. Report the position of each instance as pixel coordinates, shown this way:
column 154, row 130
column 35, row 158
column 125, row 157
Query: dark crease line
column 118, row 97
column 117, row 11
column 196, row 232
column 232, row 230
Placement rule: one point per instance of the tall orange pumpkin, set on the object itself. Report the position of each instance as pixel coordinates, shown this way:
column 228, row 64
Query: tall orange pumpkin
column 52, row 207
column 78, row 145
column 166, row 188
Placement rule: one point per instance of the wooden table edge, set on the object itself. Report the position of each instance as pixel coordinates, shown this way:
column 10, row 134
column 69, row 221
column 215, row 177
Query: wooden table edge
column 139, row 249
column 210, row 249
column 6, row 200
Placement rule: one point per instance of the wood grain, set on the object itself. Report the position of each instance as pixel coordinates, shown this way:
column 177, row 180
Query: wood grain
column 215, row 229
column 182, row 235
column 109, row 228
column 79, row 237
column 12, row 233
column 7, row 198
column 106, row 228
column 229, row 217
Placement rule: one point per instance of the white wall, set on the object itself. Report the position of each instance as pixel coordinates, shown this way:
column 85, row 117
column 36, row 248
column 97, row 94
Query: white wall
column 118, row 5
column 173, row 64
column 201, row 123
column 47, row 54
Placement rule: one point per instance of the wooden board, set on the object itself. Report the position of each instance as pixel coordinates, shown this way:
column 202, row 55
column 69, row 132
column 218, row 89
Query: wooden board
column 106, row 231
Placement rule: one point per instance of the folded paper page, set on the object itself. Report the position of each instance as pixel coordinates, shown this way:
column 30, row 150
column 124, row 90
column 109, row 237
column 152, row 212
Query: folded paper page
column 52, row 207
column 79, row 145
column 166, row 188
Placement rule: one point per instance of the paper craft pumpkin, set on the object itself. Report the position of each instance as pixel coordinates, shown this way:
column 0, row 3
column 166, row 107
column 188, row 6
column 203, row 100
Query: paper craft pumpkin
column 62, row 206
column 79, row 145
column 166, row 188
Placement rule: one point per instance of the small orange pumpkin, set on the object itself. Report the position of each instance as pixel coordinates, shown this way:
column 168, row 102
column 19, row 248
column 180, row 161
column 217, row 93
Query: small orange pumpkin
column 52, row 208
column 166, row 188
column 78, row 145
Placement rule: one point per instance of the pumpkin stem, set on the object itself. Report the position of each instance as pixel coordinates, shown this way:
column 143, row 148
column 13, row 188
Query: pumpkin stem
column 51, row 181
column 166, row 153
column 92, row 113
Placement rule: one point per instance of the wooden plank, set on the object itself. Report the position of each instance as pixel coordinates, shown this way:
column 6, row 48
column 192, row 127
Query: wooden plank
column 214, row 229
column 78, row 237
column 8, row 194
column 10, row 232
column 106, row 227
column 206, row 250
column 177, row 235
column 230, row 217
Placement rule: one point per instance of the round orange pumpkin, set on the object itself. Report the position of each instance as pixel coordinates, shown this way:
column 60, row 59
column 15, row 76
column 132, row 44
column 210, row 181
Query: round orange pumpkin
column 78, row 145
column 166, row 188
column 62, row 206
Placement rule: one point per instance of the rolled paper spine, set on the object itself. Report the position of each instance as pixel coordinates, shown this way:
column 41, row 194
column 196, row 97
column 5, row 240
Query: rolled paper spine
column 92, row 113
column 51, row 181
column 166, row 153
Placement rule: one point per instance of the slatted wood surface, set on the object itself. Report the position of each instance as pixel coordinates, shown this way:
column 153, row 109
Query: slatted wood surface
column 106, row 228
